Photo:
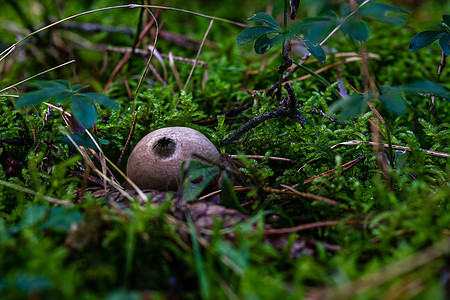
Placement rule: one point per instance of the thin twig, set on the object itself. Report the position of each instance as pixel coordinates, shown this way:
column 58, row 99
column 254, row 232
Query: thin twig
column 311, row 196
column 198, row 53
column 308, row 226
column 128, row 55
column 127, row 143
column 264, row 157
column 291, row 191
column 196, row 58
column 345, row 167
column 227, row 113
column 149, row 59
column 277, row 112
column 396, row 147
column 175, row 72
column 322, row 114
column 142, row 196
column 142, row 52
column 286, row 108
column 11, row 48
column 34, row 76
column 29, row 191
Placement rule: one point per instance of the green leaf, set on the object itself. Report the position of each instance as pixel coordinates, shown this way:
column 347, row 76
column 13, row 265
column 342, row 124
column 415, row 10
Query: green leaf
column 101, row 99
column 379, row 11
column 33, row 215
column 394, row 102
column 63, row 85
column 264, row 43
column 315, row 29
column 266, row 19
column 350, row 106
column 37, row 97
column 123, row 295
column 197, row 178
column 31, row 283
column 423, row 39
column 61, row 218
column 78, row 87
column 252, row 33
column 444, row 42
column 84, row 110
column 425, row 87
column 61, row 98
column 357, row 30
column 316, row 51
column 228, row 197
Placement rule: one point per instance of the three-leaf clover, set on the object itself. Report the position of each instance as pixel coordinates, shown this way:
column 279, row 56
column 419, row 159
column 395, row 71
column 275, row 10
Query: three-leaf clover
column 425, row 38
column 260, row 34
column 60, row 91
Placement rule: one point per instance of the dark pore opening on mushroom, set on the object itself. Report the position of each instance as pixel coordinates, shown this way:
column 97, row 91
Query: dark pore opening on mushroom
column 164, row 147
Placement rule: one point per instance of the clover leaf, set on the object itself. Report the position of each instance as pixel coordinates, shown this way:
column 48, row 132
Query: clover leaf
column 60, row 91
column 263, row 42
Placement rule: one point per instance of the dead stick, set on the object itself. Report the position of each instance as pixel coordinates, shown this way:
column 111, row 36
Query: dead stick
column 396, row 147
column 345, row 167
column 308, row 226
column 127, row 143
column 286, row 108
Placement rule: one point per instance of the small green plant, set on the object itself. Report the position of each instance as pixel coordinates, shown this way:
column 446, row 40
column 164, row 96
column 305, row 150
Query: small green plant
column 393, row 98
column 61, row 91
column 352, row 22
column 319, row 211
column 260, row 34
column 425, row 38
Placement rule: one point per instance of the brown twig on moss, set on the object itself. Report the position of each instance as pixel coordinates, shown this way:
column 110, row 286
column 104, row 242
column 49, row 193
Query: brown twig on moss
column 285, row 77
column 228, row 113
column 127, row 143
column 127, row 56
column 287, row 61
column 322, row 114
column 345, row 167
column 308, row 226
column 286, row 108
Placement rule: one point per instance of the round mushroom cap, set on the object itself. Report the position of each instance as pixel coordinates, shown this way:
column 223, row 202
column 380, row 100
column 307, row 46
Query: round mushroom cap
column 155, row 162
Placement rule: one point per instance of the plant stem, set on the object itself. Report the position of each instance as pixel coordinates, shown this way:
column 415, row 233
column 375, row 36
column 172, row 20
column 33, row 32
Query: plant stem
column 36, row 75
column 7, row 51
column 280, row 77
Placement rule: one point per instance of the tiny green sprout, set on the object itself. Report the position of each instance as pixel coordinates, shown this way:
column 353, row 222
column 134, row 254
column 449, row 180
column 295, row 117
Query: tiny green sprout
column 61, row 91
column 425, row 38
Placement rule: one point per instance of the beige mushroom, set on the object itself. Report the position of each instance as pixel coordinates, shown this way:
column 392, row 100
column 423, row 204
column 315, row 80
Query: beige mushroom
column 155, row 162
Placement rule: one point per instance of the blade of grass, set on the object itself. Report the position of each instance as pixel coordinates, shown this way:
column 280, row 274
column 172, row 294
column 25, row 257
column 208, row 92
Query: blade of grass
column 202, row 277
column 130, row 247
column 96, row 170
column 34, row 76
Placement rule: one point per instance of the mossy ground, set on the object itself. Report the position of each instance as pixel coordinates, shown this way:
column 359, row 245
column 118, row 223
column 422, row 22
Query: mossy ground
column 391, row 235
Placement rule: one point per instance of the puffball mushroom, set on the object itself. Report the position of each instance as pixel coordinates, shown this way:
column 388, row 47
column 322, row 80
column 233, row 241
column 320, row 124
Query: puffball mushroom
column 155, row 162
